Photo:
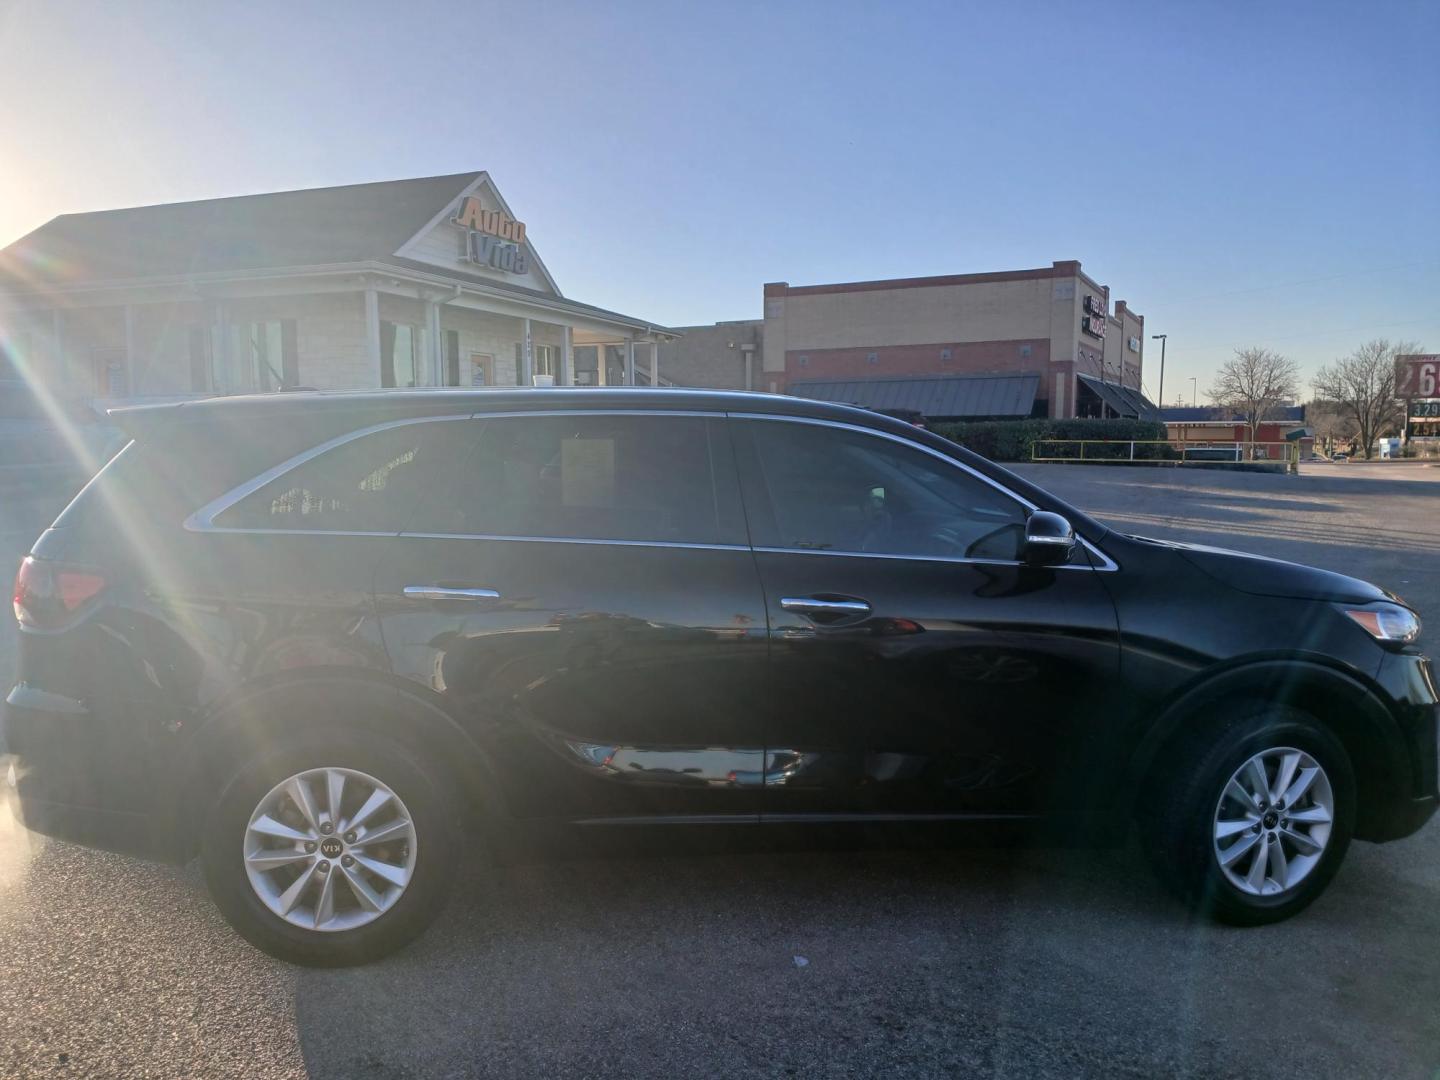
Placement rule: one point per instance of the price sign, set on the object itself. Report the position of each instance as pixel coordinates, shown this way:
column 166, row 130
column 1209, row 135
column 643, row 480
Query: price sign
column 1417, row 375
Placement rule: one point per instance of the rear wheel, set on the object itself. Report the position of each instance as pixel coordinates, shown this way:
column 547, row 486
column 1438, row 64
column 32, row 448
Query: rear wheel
column 1250, row 823
column 336, row 849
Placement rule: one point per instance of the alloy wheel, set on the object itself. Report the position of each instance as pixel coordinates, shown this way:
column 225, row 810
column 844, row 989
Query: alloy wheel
column 330, row 849
column 1273, row 821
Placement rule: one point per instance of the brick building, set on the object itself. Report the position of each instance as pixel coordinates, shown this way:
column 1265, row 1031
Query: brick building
column 1054, row 322
column 423, row 282
column 899, row 341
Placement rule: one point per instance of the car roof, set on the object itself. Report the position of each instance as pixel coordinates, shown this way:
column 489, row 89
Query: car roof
column 378, row 405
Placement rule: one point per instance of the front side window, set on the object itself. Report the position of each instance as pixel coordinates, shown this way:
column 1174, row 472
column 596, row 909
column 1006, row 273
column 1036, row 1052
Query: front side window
column 656, row 478
column 833, row 489
column 369, row 484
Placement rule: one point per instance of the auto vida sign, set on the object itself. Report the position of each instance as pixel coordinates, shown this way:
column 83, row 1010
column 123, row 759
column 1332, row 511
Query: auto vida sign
column 492, row 238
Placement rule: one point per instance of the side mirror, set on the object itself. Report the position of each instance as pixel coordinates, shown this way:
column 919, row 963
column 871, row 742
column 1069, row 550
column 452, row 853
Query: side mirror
column 1049, row 539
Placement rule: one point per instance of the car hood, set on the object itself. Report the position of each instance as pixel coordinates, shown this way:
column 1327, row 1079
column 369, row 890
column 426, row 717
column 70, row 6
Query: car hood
column 1263, row 576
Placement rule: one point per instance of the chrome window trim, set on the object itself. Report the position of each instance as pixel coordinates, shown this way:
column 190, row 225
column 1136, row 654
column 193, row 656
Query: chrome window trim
column 203, row 519
column 697, row 546
column 1107, row 565
column 957, row 559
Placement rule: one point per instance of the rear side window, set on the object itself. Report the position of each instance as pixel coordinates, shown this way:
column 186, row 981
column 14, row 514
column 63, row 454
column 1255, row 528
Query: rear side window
column 642, row 478
column 367, row 484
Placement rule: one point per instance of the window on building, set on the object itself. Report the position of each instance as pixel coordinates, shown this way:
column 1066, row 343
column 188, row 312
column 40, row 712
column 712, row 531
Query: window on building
column 872, row 358
column 369, row 484
column 804, row 360
column 111, row 377
column 253, row 357
column 402, row 354
column 830, row 489
column 546, row 360
column 1025, row 350
column 945, row 354
column 638, row 478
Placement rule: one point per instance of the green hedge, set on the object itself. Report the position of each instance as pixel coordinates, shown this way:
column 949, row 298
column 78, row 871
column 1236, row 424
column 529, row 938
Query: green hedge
column 1011, row 440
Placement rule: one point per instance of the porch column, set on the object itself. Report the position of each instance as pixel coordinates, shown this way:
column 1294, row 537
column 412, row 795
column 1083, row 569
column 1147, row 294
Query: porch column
column 629, row 360
column 437, row 347
column 602, row 373
column 130, row 387
column 655, row 362
column 372, row 334
column 527, row 358
column 567, row 358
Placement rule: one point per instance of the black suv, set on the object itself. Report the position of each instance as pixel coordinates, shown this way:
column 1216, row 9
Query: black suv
column 318, row 638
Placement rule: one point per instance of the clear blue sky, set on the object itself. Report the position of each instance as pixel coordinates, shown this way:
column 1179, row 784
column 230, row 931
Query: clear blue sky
column 1240, row 173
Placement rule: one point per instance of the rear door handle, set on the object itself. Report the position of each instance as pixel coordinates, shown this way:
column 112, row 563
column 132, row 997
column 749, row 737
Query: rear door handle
column 442, row 592
column 815, row 605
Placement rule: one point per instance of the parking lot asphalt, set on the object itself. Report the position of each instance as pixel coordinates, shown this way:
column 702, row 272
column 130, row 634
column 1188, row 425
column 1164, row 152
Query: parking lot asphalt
column 828, row 962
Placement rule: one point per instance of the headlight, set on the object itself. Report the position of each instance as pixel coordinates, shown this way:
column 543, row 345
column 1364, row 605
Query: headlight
column 1387, row 622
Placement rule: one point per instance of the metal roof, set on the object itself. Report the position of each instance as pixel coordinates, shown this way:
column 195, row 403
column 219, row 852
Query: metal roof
column 1125, row 400
column 939, row 397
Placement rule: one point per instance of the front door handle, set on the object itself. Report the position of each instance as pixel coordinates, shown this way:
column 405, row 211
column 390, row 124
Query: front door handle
column 816, row 605
column 442, row 592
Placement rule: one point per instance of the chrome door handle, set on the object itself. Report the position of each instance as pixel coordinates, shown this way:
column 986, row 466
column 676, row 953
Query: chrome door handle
column 439, row 592
column 813, row 605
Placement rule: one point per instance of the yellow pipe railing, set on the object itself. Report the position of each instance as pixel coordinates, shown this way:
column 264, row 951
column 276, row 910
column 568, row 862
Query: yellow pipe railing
column 1164, row 451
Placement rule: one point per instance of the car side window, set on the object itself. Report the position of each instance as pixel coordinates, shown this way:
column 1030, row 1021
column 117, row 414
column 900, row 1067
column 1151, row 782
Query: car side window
column 834, row 489
column 367, row 484
column 633, row 477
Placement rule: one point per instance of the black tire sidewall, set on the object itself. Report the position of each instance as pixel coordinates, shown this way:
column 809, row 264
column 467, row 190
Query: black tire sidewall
column 429, row 799
column 1191, row 814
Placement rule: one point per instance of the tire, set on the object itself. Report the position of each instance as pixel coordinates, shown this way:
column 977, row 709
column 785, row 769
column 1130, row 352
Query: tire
column 1190, row 804
column 354, row 933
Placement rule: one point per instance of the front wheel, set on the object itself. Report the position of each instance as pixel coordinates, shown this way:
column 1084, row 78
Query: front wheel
column 334, row 850
column 1250, row 823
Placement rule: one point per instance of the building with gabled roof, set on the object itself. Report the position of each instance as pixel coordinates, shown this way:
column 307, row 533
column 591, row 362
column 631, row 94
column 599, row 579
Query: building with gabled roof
column 430, row 281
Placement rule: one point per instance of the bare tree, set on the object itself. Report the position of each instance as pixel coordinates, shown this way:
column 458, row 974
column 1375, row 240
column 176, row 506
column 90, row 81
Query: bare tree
column 1254, row 383
column 1363, row 385
column 1331, row 422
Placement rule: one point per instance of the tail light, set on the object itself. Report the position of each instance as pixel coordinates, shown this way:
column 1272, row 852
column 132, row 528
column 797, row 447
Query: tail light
column 49, row 594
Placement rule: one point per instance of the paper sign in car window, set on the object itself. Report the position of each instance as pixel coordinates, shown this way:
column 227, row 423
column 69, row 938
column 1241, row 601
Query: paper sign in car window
column 587, row 468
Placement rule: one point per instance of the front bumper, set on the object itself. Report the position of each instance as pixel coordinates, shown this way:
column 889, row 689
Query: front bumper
column 1409, row 679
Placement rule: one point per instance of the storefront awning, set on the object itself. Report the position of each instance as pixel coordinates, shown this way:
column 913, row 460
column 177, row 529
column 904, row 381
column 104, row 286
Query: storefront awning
column 1124, row 400
column 943, row 397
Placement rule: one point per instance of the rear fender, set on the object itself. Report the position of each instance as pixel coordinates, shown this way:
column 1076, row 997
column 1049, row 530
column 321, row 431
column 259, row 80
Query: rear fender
column 248, row 725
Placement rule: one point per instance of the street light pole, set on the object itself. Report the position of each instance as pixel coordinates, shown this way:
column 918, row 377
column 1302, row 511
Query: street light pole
column 1164, row 340
column 1194, row 400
